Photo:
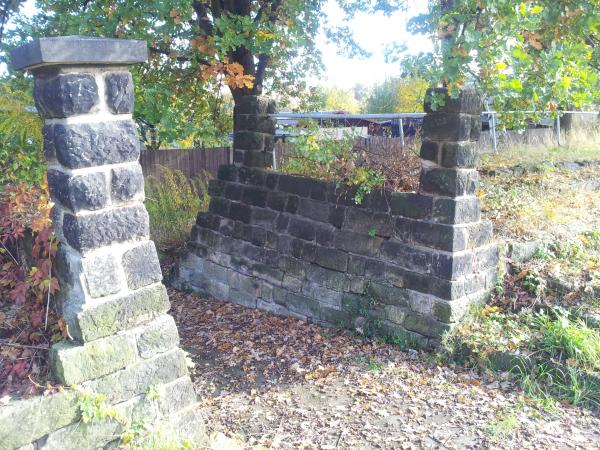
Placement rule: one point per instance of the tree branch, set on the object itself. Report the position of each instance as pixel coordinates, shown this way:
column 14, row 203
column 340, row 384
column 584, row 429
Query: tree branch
column 203, row 20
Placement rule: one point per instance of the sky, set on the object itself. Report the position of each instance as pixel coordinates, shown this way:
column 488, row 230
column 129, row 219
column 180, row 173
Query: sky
column 373, row 32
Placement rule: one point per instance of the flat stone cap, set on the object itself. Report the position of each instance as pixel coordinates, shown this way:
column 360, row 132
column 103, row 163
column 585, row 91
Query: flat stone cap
column 75, row 50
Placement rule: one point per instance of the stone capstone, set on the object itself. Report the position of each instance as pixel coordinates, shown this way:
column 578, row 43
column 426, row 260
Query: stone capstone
column 88, row 145
column 65, row 95
column 119, row 92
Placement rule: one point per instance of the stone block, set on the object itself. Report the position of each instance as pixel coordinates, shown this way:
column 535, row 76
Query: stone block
column 291, row 205
column 107, row 317
column 430, row 151
column 325, row 296
column 456, row 210
column 248, row 140
column 464, row 155
column 127, row 184
column 267, row 273
column 406, row 256
column 487, row 257
column 451, row 266
column 331, row 258
column 244, row 283
column 450, row 312
column 442, row 126
column 261, row 123
column 79, row 192
column 425, row 325
column 277, row 200
column 324, row 235
column 466, row 101
column 95, row 230
column 216, row 187
column 356, row 265
column 102, row 274
column 375, row 269
column 252, row 104
column 302, row 305
column 119, row 92
column 366, row 222
column 137, row 378
column 254, row 196
column 89, row 145
column 449, row 182
column 302, row 228
column 292, row 266
column 228, row 172
column 141, row 266
column 313, row 209
column 337, row 215
column 292, row 284
column 411, row 205
column 73, row 364
column 452, row 238
column 378, row 200
column 25, row 421
column 387, row 295
column 157, row 337
column 295, row 185
column 318, row 190
column 271, row 180
column 480, row 234
column 357, row 243
column 209, row 220
column 254, row 158
column 65, row 95
column 49, row 147
column 329, row 278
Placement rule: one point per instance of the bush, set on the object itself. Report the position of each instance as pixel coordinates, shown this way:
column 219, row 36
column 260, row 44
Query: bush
column 173, row 202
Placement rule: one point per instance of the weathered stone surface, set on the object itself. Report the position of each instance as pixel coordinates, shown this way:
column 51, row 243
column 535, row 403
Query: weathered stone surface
column 79, row 192
column 137, row 378
column 127, row 183
column 358, row 243
column 74, row 364
column 100, row 319
column 65, row 95
column 252, row 104
column 157, row 337
column 460, row 154
column 25, row 421
column 456, row 210
column 88, row 145
column 141, row 266
column 102, row 274
column 91, row 231
column 49, row 148
column 411, row 205
column 449, row 182
column 119, row 92
column 467, row 101
column 447, row 127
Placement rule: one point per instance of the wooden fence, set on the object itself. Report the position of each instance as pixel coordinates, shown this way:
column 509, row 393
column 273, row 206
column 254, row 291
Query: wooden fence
column 192, row 162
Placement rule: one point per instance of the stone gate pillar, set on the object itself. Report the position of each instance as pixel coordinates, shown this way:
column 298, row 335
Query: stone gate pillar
column 253, row 131
column 112, row 299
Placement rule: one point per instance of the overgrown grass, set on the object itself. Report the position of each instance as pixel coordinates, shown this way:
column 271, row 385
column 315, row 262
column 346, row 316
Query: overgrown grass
column 173, row 202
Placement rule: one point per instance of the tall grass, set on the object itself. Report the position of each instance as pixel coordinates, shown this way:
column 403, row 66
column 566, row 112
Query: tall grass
column 173, row 202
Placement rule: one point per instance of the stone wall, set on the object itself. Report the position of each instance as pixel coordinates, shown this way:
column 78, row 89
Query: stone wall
column 112, row 299
column 401, row 264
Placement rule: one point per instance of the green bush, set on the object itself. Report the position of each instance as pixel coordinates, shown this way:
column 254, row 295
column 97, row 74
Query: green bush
column 173, row 202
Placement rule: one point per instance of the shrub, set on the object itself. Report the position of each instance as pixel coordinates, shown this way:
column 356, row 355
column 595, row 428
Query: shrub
column 173, row 201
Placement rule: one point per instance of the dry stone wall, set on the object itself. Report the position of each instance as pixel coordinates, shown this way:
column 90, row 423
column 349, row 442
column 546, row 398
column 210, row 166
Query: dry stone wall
column 114, row 304
column 399, row 264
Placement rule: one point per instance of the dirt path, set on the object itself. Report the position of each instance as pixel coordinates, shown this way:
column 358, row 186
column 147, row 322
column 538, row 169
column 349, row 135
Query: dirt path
column 273, row 382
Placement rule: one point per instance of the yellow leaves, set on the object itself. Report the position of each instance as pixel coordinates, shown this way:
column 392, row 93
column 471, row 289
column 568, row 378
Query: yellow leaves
column 480, row 193
column 264, row 35
column 321, row 372
column 501, row 66
column 235, row 77
column 488, row 309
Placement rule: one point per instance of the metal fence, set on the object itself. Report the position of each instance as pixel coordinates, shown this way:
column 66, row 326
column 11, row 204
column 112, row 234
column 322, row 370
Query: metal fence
column 192, row 162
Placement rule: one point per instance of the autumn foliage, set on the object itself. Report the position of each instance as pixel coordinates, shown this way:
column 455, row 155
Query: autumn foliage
column 28, row 320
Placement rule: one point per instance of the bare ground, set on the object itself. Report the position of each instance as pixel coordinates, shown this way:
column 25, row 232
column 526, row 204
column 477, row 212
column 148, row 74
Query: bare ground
column 275, row 382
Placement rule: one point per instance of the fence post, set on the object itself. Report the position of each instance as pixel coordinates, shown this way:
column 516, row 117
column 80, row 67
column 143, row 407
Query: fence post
column 111, row 296
column 558, row 135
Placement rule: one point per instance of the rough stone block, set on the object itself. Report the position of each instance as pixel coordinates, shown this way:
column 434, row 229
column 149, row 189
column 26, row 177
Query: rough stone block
column 357, row 243
column 65, row 95
column 102, row 274
column 329, row 278
column 467, row 101
column 366, row 222
column 220, row 206
column 337, row 215
column 49, row 148
column 442, row 126
column 387, row 295
column 314, row 209
column 302, row 305
column 141, row 266
column 91, row 231
column 406, row 256
column 89, row 145
column 456, row 210
column 425, row 325
column 480, row 234
column 137, row 378
column 319, row 189
column 228, row 172
column 451, row 266
column 260, row 123
column 449, row 182
column 254, row 196
column 252, row 175
column 460, row 154
column 101, row 319
column 375, row 269
column 430, row 151
column 277, row 200
column 292, row 266
column 253, row 104
column 291, row 206
column 127, row 183
column 295, row 185
column 74, row 364
column 79, row 192
column 411, row 205
column 331, row 258
column 25, row 421
column 119, row 92
column 157, row 337
column 325, row 296
column 239, row 211
column 356, row 265
column 248, row 140
column 302, row 228
column 292, row 284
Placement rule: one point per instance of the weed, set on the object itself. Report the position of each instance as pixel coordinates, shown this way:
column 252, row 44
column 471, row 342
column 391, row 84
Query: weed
column 502, row 427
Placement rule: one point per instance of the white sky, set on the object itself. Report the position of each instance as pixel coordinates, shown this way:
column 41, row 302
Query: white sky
column 373, row 32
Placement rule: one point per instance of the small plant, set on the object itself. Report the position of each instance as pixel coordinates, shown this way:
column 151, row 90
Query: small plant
column 173, row 202
column 372, row 232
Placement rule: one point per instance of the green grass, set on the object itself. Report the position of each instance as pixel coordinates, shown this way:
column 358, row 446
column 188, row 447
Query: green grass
column 173, row 202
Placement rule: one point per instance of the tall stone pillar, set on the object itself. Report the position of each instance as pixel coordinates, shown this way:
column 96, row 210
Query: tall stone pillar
column 253, row 131
column 113, row 302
